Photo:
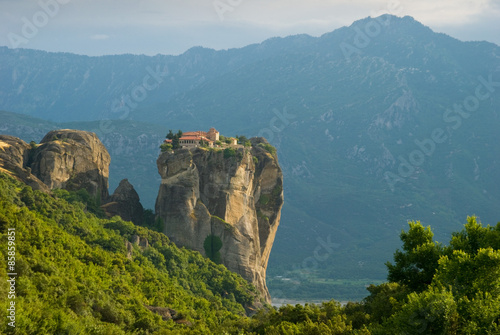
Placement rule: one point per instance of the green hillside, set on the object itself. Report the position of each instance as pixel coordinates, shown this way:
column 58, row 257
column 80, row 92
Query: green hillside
column 75, row 274
column 68, row 271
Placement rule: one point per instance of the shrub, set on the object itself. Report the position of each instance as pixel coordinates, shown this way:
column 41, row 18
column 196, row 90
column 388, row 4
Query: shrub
column 430, row 312
column 229, row 152
column 126, row 228
column 242, row 139
column 27, row 197
column 264, row 199
column 212, row 245
column 268, row 147
column 166, row 147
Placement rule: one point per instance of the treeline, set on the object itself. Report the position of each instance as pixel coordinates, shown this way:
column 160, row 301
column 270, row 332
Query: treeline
column 432, row 289
column 79, row 274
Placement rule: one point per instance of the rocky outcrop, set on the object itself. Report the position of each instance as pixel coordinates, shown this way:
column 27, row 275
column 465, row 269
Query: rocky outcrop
column 14, row 154
column 165, row 312
column 125, row 202
column 69, row 159
column 72, row 159
column 142, row 242
column 225, row 204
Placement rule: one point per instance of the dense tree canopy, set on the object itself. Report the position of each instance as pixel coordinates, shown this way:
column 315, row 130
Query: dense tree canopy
column 78, row 273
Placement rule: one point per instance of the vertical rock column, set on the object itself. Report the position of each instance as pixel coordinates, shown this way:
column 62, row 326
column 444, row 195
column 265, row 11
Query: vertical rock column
column 226, row 207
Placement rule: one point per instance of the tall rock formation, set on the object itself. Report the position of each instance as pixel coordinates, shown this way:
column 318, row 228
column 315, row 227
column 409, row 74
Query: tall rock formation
column 69, row 159
column 72, row 159
column 14, row 155
column 225, row 204
column 125, row 202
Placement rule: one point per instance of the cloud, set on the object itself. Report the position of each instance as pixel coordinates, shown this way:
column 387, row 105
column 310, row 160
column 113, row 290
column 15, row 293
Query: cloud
column 172, row 26
column 446, row 12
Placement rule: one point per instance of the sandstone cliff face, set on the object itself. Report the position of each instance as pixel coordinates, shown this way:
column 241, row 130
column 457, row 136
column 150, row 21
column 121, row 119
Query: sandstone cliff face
column 227, row 208
column 14, row 154
column 72, row 159
column 69, row 159
column 125, row 203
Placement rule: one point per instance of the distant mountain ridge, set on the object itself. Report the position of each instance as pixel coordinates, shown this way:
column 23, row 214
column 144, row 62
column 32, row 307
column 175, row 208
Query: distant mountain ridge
column 84, row 88
column 341, row 110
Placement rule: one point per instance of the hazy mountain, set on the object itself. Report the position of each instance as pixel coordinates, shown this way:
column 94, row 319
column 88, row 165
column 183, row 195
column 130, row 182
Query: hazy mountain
column 69, row 87
column 375, row 124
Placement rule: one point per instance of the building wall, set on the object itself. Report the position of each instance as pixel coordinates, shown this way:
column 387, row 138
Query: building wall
column 213, row 134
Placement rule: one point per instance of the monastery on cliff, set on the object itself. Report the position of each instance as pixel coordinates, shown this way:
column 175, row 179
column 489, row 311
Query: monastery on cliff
column 192, row 139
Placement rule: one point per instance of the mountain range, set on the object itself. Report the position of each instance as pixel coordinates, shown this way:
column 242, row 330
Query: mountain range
column 375, row 124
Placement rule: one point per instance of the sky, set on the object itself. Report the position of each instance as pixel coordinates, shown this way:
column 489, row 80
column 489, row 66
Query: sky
column 103, row 27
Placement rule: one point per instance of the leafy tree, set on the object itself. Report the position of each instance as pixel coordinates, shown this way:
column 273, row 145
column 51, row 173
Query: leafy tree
column 175, row 140
column 470, row 274
column 268, row 147
column 242, row 139
column 384, row 300
column 92, row 204
column 212, row 245
column 166, row 147
column 175, row 143
column 433, row 311
column 27, row 196
column 464, row 294
column 415, row 266
column 229, row 152
column 480, row 314
column 474, row 237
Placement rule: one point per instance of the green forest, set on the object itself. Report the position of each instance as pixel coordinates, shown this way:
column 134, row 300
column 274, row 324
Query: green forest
column 80, row 273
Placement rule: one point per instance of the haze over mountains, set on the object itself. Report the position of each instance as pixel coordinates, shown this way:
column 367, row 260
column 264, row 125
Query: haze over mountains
column 375, row 124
